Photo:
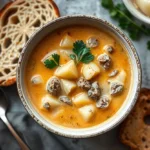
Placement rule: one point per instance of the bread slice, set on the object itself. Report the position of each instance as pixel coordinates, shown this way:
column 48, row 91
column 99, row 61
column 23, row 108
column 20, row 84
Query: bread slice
column 135, row 132
column 18, row 21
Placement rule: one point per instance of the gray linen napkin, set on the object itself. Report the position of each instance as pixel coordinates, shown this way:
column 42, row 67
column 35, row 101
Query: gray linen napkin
column 40, row 139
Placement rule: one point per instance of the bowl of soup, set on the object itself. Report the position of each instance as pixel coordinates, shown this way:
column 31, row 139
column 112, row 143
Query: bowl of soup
column 79, row 76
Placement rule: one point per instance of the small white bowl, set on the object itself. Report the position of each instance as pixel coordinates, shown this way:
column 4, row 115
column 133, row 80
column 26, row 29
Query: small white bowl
column 135, row 12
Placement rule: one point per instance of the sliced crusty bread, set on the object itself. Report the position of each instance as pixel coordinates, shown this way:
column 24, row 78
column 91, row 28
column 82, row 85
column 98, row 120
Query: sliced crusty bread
column 18, row 20
column 135, row 132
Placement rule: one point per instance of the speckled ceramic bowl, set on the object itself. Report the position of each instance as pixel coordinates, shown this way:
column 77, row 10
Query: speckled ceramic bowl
column 128, row 103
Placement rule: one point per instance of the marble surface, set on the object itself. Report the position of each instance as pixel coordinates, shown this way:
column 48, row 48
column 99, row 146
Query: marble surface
column 107, row 141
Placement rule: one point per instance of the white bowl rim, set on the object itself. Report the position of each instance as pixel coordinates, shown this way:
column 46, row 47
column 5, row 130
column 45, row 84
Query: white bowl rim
column 135, row 12
column 65, row 132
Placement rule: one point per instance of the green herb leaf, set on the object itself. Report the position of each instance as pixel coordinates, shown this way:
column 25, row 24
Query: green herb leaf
column 148, row 45
column 52, row 62
column 56, row 58
column 81, row 53
column 80, row 49
column 107, row 4
column 87, row 58
column 113, row 13
column 73, row 57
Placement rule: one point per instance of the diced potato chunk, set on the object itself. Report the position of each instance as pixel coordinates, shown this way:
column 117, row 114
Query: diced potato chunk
column 52, row 101
column 65, row 54
column 37, row 79
column 90, row 70
column 87, row 112
column 122, row 76
column 67, row 71
column 81, row 99
column 67, row 42
column 68, row 86
column 58, row 112
column 119, row 78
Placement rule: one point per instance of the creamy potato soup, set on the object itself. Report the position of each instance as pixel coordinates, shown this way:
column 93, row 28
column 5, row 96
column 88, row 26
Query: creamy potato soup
column 78, row 76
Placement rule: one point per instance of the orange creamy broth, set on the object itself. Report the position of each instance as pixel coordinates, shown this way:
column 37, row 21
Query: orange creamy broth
column 70, row 117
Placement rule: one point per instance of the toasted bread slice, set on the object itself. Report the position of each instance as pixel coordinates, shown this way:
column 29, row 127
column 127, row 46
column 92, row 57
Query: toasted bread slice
column 18, row 21
column 135, row 132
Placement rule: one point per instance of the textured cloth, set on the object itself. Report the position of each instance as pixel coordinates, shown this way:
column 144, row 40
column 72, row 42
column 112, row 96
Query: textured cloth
column 40, row 139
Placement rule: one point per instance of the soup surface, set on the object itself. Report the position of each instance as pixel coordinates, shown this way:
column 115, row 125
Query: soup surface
column 75, row 92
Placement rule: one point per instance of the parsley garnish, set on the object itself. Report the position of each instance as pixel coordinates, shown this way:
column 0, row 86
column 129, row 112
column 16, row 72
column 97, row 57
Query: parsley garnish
column 52, row 62
column 125, row 19
column 81, row 53
column 148, row 45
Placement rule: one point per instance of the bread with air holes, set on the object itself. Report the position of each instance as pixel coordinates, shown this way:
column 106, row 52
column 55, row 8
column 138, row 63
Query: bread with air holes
column 18, row 21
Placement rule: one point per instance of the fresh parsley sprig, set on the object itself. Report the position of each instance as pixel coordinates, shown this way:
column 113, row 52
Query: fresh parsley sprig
column 148, row 45
column 125, row 19
column 81, row 53
column 53, row 61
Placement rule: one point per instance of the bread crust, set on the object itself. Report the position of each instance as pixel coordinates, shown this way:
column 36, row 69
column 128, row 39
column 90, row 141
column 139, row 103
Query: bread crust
column 12, row 79
column 8, row 82
column 55, row 8
column 12, row 2
column 134, row 132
